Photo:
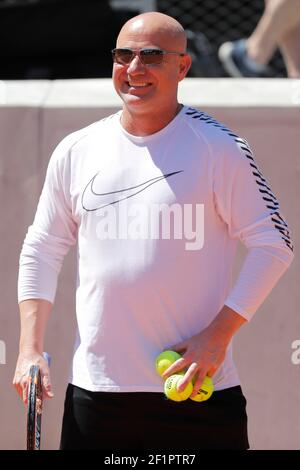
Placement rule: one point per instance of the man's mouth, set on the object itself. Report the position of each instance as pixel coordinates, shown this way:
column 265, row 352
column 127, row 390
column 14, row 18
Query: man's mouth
column 138, row 84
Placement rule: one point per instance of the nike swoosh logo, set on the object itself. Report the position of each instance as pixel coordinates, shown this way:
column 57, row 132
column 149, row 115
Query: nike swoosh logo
column 107, row 199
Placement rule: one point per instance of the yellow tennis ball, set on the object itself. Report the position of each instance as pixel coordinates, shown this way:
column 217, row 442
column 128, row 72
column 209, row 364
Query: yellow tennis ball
column 171, row 391
column 164, row 360
column 205, row 391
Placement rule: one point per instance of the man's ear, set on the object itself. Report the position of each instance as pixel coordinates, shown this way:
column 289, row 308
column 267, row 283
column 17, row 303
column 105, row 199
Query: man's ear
column 185, row 64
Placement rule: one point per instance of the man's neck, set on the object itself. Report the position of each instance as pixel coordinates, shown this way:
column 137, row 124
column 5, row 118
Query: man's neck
column 143, row 125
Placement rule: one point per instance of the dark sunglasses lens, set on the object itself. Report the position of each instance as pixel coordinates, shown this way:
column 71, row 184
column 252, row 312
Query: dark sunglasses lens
column 148, row 56
column 122, row 56
column 151, row 56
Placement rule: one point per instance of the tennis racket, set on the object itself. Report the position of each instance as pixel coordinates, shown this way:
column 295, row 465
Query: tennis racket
column 35, row 405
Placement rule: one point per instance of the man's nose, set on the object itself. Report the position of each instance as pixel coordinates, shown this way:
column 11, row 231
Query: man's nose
column 136, row 65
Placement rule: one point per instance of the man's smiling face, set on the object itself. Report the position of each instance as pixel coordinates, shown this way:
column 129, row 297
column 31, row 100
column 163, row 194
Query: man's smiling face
column 149, row 88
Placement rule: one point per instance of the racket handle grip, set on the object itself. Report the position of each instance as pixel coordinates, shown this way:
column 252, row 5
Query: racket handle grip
column 47, row 358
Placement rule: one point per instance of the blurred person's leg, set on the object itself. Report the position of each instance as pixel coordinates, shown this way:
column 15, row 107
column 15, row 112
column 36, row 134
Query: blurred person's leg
column 278, row 27
column 290, row 49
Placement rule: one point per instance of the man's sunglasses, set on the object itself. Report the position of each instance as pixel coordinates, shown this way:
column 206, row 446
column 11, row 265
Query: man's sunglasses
column 147, row 56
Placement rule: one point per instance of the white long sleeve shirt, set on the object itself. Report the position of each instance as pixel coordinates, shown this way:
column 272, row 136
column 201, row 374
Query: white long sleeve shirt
column 157, row 220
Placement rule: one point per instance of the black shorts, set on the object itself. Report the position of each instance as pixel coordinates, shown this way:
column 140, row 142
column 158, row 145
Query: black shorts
column 149, row 421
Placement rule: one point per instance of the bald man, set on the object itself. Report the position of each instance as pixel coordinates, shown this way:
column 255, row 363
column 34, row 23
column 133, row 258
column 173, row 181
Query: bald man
column 156, row 197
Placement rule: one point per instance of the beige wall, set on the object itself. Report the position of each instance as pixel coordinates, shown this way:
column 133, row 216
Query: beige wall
column 34, row 116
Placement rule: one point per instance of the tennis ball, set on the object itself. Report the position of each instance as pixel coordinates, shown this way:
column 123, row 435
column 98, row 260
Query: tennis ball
column 164, row 360
column 205, row 391
column 171, row 391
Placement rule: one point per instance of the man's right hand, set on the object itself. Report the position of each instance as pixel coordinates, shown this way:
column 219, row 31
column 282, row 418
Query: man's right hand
column 21, row 377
